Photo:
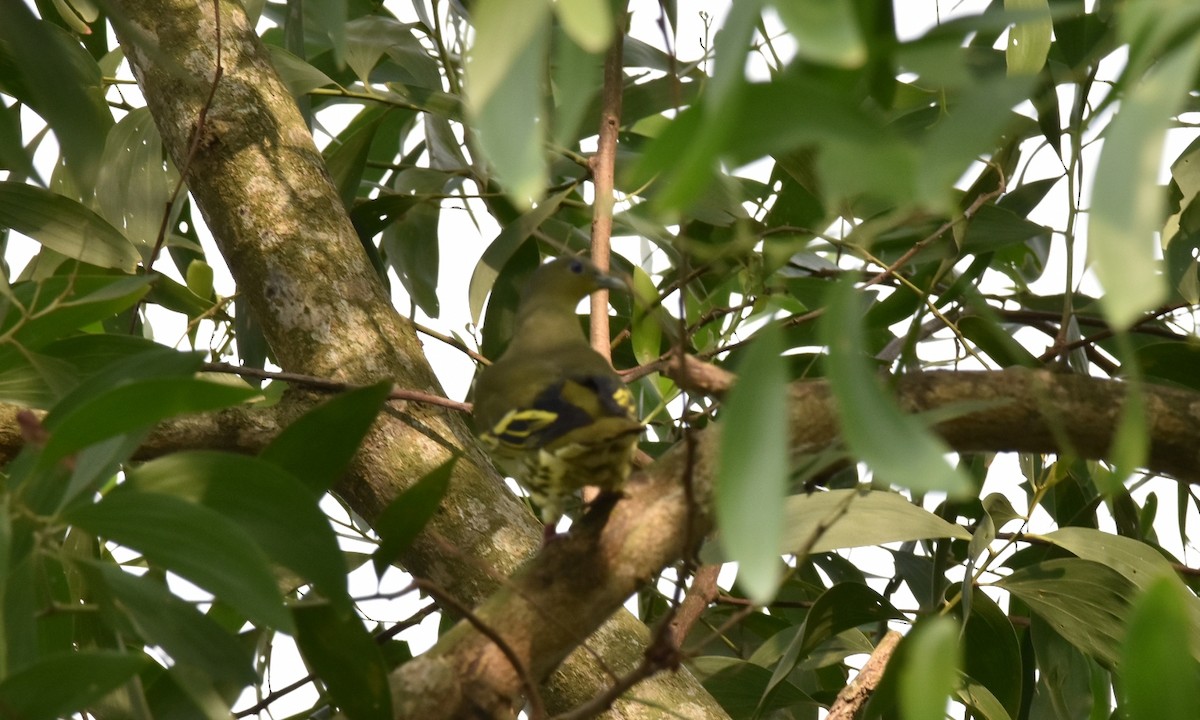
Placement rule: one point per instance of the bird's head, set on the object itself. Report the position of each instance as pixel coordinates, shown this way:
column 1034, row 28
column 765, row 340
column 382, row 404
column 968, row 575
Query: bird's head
column 569, row 279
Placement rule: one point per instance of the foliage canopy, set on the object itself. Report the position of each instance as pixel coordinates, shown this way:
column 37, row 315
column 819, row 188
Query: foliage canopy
column 826, row 205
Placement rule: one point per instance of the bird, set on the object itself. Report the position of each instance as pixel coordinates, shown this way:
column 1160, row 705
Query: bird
column 551, row 411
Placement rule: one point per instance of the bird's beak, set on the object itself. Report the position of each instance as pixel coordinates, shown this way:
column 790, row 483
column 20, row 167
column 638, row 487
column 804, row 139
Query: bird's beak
column 613, row 282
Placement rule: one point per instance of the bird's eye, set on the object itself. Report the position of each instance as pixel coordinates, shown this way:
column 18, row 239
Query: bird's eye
column 576, row 267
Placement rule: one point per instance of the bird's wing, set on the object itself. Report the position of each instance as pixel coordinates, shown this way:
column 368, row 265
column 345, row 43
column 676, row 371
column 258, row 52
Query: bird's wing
column 563, row 408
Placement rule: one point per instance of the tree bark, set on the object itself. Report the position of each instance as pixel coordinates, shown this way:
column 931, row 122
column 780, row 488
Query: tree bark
column 265, row 194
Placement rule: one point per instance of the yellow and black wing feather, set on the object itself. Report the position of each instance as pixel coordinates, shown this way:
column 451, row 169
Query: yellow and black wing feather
column 578, row 431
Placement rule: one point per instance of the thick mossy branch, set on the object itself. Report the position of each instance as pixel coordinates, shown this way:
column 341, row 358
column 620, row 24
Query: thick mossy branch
column 564, row 593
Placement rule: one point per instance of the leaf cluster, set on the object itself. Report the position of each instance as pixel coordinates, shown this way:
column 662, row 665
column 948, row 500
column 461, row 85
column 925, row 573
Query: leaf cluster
column 863, row 203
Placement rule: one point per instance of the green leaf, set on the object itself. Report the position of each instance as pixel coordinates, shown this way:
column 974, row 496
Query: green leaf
column 987, row 334
column 65, row 226
column 13, row 156
column 1173, row 362
column 576, row 77
column 1161, row 674
column 842, row 607
column 135, row 184
column 175, row 625
column 500, row 249
column 752, row 468
column 58, row 305
column 853, row 518
column 1028, row 40
column 347, row 156
column 1066, row 677
column 47, row 68
column 193, row 541
column 981, row 700
column 412, row 250
column 645, row 331
column 1083, row 601
column 299, row 76
column 825, row 32
column 134, row 407
column 199, row 279
column 42, row 690
column 369, row 37
column 123, row 368
column 318, row 446
column 6, row 561
column 401, row 521
column 346, row 659
column 930, row 671
column 1127, row 202
column 992, row 656
column 180, row 298
column 589, row 23
column 898, row 447
column 741, row 687
column 504, row 77
column 20, row 605
column 329, row 17
column 971, row 125
column 32, row 379
column 1137, row 562
column 271, row 506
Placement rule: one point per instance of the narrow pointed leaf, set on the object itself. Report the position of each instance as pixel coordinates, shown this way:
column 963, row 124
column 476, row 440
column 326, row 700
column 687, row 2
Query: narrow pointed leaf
column 137, row 406
column 65, row 226
column 175, row 625
column 272, row 507
column 40, row 690
column 193, row 541
column 1085, row 602
column 347, row 659
column 1127, row 203
column 400, row 522
column 752, row 470
column 317, row 447
column 930, row 671
column 1162, row 676
column 898, row 447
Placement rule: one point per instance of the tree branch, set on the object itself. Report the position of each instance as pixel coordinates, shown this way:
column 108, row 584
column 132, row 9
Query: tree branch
column 854, row 696
column 599, row 564
column 602, row 165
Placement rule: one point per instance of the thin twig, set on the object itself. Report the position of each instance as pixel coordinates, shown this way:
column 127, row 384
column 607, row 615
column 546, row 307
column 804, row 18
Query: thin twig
column 921, row 244
column 394, row 630
column 537, row 710
column 452, row 342
column 272, row 697
column 700, row 595
column 450, row 550
column 1064, row 348
column 333, row 386
column 602, row 166
column 415, row 619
